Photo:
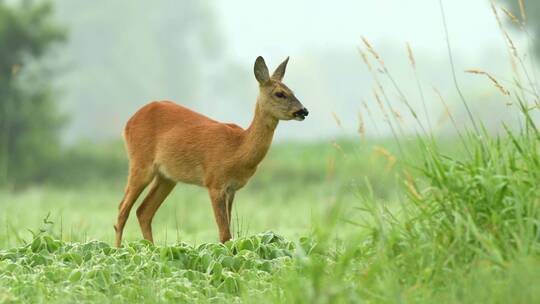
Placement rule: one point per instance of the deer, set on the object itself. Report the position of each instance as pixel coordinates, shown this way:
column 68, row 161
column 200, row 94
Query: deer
column 167, row 143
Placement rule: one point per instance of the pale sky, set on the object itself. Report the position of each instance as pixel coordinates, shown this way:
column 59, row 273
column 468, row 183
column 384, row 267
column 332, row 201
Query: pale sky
column 283, row 26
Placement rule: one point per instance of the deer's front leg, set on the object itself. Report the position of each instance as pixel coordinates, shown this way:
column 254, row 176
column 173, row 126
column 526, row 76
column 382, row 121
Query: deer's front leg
column 219, row 204
column 230, row 200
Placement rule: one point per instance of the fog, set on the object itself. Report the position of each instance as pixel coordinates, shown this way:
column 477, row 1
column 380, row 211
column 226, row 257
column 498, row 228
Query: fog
column 123, row 54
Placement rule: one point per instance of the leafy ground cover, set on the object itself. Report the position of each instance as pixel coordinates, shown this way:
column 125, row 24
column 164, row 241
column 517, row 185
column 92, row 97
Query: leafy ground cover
column 51, row 270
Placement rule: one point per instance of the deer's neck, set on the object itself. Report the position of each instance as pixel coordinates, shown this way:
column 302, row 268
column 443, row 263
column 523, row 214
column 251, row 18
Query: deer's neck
column 258, row 137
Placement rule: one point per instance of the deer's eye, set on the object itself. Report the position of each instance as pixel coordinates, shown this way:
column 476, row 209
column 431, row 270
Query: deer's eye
column 280, row 95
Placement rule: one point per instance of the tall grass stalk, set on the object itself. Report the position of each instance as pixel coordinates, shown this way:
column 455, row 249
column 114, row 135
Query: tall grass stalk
column 453, row 68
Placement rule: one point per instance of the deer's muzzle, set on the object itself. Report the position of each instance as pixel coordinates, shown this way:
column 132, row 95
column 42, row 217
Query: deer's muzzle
column 301, row 114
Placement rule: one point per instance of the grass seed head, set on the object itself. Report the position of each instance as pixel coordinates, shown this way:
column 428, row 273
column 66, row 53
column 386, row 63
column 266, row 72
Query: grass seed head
column 510, row 16
column 411, row 56
column 390, row 159
column 365, row 59
column 361, row 126
column 379, row 101
column 331, row 168
column 522, row 11
column 338, row 121
column 338, row 147
column 497, row 84
column 410, row 185
column 372, row 51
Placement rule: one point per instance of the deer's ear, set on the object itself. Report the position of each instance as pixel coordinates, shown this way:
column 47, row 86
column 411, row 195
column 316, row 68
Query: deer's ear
column 280, row 70
column 261, row 70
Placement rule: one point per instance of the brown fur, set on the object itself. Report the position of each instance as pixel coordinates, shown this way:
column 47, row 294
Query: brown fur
column 168, row 143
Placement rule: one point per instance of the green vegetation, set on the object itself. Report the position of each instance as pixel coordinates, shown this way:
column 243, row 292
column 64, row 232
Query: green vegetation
column 416, row 219
column 295, row 184
column 72, row 272
column 470, row 236
column 463, row 229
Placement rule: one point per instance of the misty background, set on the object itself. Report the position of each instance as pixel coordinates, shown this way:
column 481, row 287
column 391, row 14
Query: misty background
column 121, row 55
column 73, row 72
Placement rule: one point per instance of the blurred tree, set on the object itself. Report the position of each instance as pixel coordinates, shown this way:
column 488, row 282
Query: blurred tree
column 122, row 54
column 29, row 118
column 530, row 10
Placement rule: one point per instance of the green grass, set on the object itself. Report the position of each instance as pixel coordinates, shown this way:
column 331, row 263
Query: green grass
column 294, row 185
column 453, row 221
column 462, row 229
column 68, row 256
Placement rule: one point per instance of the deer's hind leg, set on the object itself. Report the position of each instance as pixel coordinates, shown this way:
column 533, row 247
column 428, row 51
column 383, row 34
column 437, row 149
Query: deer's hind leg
column 160, row 189
column 138, row 179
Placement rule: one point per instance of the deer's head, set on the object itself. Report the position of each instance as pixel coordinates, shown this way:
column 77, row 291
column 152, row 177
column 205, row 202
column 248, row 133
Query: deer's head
column 275, row 98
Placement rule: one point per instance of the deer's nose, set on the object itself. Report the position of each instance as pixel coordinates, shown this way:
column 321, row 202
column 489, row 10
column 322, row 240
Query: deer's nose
column 302, row 113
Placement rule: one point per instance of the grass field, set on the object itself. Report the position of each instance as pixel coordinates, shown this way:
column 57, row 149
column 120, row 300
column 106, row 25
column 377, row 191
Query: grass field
column 347, row 225
column 415, row 219
column 296, row 184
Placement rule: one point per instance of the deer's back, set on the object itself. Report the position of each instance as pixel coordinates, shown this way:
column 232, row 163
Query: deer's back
column 179, row 143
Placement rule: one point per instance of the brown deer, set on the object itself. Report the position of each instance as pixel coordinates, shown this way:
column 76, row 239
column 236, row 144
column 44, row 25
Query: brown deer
column 168, row 143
